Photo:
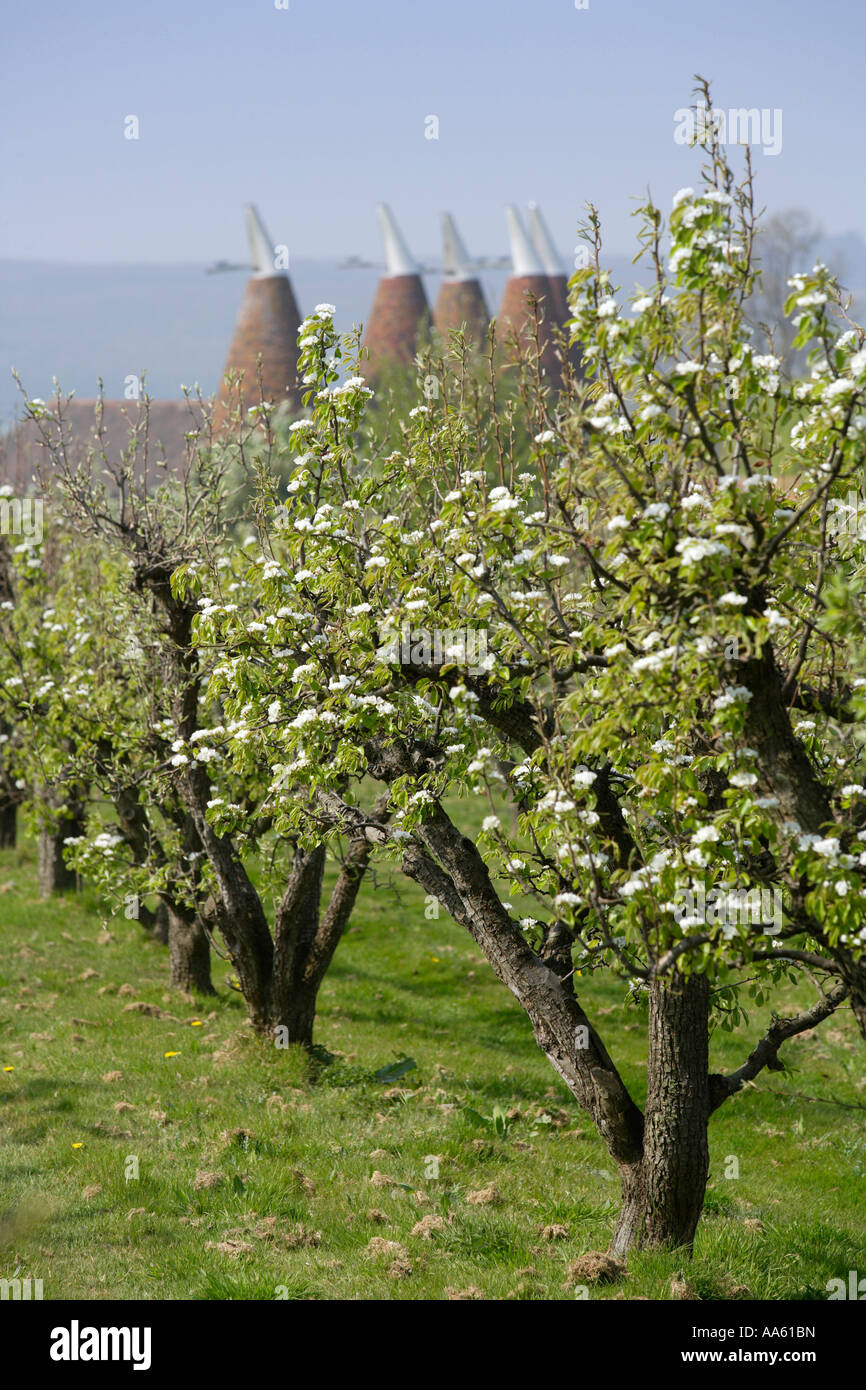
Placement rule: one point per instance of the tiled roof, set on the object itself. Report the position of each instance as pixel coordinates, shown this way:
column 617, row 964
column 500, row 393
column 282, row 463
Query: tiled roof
column 22, row 453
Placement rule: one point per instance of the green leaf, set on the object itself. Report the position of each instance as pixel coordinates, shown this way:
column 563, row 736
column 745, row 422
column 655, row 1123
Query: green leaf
column 475, row 1117
column 394, row 1070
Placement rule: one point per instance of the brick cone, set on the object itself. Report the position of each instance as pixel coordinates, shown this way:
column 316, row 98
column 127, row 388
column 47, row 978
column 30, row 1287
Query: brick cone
column 399, row 317
column 559, row 291
column 515, row 316
column 459, row 302
column 267, row 324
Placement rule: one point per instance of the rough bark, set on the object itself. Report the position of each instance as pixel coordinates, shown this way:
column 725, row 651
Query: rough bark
column 173, row 923
column 676, row 1147
column 782, row 760
column 161, row 923
column 663, row 1194
column 238, row 911
column 454, row 871
column 133, row 822
column 54, row 875
column 305, row 938
column 556, row 952
column 188, row 950
column 663, row 1158
column 329, row 933
column 295, row 926
column 662, row 1155
column 279, row 976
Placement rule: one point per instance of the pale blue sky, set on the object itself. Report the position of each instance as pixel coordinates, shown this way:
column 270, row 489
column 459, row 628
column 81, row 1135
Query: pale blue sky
column 317, row 112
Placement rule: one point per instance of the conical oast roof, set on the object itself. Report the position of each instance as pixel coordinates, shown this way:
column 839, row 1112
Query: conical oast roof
column 515, row 312
column 400, row 311
column 267, row 326
column 551, row 263
column 554, row 269
column 461, row 299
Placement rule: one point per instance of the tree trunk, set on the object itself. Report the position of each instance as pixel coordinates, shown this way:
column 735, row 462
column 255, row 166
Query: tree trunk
column 292, row 1001
column 305, row 938
column 237, row 909
column 189, row 952
column 662, row 1156
column 663, row 1194
column 299, row 1015
column 8, row 825
column 454, row 871
column 161, row 924
column 54, row 875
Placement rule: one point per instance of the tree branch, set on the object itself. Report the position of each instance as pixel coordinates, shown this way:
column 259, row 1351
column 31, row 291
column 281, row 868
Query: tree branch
column 766, row 1053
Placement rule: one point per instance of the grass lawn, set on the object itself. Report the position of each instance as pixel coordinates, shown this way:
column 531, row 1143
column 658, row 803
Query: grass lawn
column 153, row 1149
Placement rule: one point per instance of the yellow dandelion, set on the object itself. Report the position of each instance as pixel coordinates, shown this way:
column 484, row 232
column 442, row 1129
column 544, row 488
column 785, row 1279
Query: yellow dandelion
column 171, row 1054
column 196, row 1023
column 78, row 1144
column 8, row 1068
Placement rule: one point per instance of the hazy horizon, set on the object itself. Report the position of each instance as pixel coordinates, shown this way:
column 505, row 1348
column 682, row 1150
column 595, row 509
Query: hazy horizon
column 317, row 112
column 82, row 321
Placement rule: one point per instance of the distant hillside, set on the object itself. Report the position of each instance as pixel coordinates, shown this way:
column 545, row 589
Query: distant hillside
column 82, row 322
column 174, row 322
